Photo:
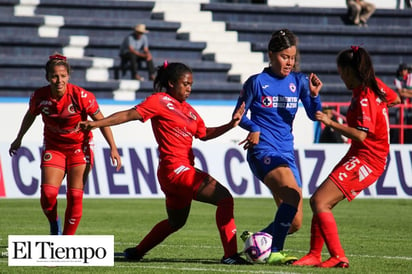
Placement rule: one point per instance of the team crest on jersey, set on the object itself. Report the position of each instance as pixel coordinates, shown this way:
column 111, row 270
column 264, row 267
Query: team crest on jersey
column 292, row 87
column 70, row 108
column 47, row 156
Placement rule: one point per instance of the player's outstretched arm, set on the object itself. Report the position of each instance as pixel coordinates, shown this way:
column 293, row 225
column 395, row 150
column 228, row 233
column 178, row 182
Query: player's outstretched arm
column 213, row 132
column 112, row 120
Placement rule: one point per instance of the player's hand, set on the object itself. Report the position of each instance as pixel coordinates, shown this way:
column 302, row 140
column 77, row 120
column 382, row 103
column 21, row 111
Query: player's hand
column 115, row 157
column 322, row 117
column 237, row 116
column 85, row 125
column 14, row 147
column 251, row 140
column 315, row 84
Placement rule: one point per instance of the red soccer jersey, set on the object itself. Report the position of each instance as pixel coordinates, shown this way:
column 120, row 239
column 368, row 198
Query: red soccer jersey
column 368, row 113
column 174, row 125
column 60, row 117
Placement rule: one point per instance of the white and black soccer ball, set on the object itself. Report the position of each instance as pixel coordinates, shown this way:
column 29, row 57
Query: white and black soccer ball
column 258, row 247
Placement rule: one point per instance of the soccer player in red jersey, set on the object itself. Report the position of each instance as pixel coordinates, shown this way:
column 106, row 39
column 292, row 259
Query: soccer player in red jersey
column 368, row 128
column 67, row 151
column 175, row 123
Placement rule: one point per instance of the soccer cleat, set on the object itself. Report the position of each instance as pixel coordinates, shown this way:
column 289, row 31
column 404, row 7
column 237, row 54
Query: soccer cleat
column 235, row 259
column 131, row 254
column 56, row 227
column 245, row 235
column 339, row 262
column 308, row 259
column 281, row 258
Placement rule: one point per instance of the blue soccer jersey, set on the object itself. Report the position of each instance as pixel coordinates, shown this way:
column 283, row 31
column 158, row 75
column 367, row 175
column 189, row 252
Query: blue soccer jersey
column 273, row 103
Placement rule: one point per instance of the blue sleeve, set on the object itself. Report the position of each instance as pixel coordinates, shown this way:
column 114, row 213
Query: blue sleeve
column 311, row 104
column 247, row 96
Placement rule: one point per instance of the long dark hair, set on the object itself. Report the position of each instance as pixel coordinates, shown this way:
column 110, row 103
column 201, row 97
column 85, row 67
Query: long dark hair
column 284, row 39
column 359, row 60
column 169, row 73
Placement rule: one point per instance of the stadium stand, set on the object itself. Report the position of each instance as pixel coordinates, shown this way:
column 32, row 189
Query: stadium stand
column 223, row 43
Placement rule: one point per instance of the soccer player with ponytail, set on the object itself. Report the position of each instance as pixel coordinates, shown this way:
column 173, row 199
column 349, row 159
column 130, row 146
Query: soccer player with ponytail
column 175, row 123
column 368, row 128
column 67, row 151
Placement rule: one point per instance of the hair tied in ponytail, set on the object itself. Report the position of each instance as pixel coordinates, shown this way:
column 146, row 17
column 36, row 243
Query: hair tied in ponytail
column 355, row 49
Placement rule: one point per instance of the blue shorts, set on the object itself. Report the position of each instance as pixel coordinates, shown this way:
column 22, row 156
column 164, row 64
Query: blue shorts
column 261, row 163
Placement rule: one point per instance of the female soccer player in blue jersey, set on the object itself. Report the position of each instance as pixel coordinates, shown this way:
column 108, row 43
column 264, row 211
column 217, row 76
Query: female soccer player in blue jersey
column 272, row 98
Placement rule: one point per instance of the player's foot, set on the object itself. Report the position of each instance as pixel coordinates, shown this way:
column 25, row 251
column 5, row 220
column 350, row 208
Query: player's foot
column 245, row 235
column 281, row 258
column 339, row 262
column 56, row 227
column 308, row 259
column 235, row 259
column 131, row 254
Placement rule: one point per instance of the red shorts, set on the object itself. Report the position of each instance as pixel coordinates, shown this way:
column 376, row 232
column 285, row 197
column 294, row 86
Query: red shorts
column 352, row 175
column 180, row 183
column 68, row 157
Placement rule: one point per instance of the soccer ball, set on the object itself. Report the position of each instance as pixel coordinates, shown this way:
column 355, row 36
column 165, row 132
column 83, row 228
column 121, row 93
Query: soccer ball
column 258, row 247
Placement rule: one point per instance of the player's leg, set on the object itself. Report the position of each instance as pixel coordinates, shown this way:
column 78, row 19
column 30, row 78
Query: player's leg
column 282, row 183
column 176, row 185
column 212, row 192
column 176, row 219
column 51, row 181
column 52, row 174
column 297, row 221
column 322, row 202
column 76, row 179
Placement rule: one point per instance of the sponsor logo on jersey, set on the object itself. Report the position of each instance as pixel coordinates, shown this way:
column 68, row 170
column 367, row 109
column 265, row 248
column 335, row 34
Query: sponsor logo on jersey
column 279, row 102
column 193, row 116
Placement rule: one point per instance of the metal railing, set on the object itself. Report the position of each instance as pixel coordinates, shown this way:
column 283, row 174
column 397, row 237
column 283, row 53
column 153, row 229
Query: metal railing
column 402, row 124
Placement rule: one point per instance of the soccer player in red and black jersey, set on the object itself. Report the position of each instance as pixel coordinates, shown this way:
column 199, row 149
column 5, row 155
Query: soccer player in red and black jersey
column 368, row 128
column 175, row 123
column 67, row 151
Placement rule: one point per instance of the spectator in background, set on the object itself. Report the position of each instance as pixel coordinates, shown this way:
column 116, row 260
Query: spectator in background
column 135, row 50
column 403, row 82
column 329, row 135
column 359, row 11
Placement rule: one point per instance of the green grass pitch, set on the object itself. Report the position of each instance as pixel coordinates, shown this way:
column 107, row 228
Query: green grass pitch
column 375, row 233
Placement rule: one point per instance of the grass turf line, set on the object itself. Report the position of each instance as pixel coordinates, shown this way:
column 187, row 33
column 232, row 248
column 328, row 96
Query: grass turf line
column 375, row 234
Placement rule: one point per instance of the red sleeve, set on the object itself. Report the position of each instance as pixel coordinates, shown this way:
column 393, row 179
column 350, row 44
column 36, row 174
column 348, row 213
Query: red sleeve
column 149, row 107
column 391, row 95
column 86, row 99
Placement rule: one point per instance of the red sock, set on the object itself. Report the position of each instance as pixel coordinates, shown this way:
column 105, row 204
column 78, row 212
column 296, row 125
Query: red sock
column 48, row 201
column 330, row 234
column 158, row 233
column 316, row 237
column 226, row 224
column 74, row 210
